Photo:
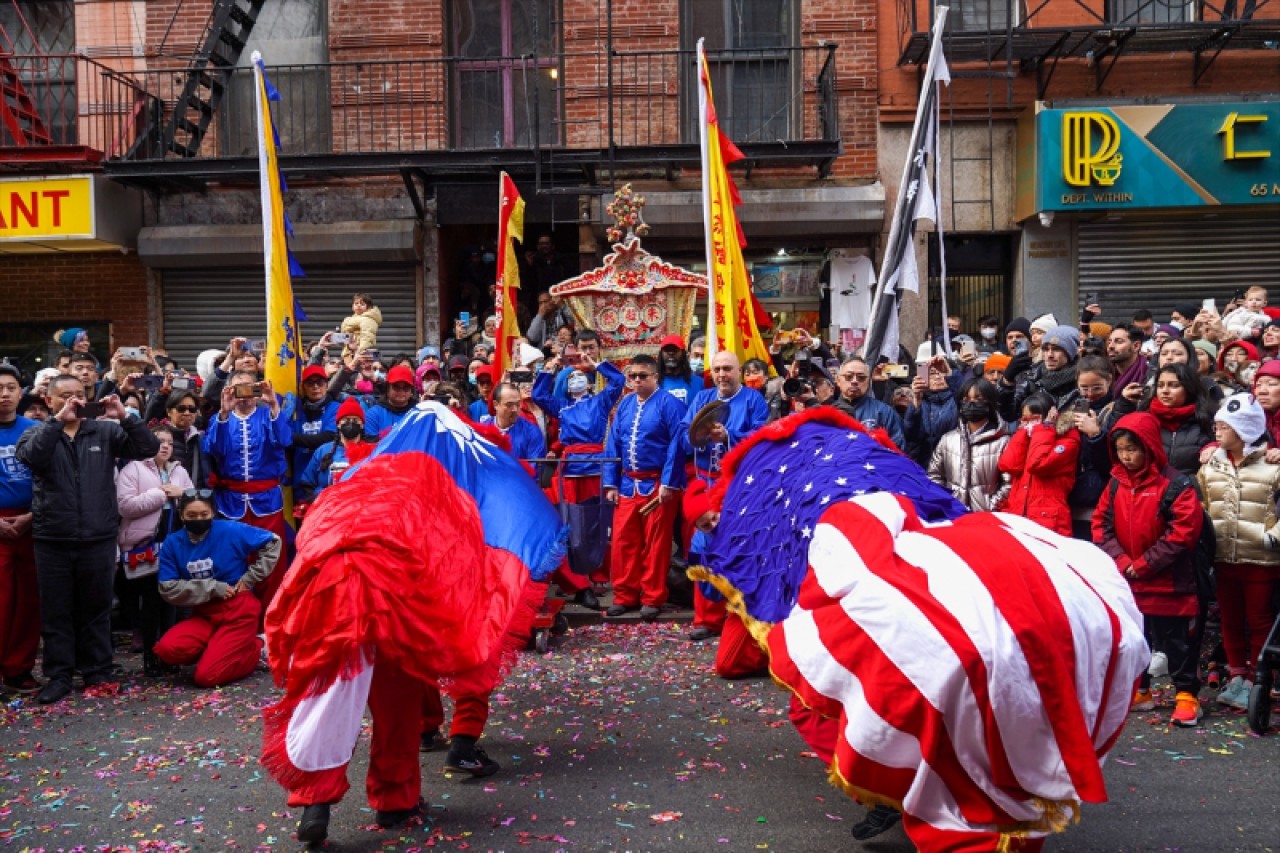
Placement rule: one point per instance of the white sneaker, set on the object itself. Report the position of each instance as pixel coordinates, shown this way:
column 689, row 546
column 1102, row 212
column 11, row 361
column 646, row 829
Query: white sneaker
column 1159, row 665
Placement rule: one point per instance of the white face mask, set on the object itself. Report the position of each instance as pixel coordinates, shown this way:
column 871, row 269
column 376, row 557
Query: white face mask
column 130, row 410
column 577, row 383
column 1176, row 325
column 989, row 333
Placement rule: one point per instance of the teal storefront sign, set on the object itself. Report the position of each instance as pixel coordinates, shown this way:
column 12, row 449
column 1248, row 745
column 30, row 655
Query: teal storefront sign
column 1170, row 155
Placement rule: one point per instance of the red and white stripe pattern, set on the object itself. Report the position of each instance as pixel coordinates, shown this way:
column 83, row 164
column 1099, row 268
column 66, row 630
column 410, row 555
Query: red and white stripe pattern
column 980, row 669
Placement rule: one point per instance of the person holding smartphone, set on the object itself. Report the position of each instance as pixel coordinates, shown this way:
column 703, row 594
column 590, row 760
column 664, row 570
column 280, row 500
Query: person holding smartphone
column 75, row 522
column 246, row 445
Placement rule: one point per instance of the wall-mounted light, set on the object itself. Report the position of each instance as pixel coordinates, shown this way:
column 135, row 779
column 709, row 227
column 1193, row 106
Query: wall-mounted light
column 1046, row 218
column 555, row 73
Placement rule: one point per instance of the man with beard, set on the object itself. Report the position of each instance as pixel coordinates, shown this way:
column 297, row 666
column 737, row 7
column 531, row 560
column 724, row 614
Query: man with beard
column 1055, row 374
column 1123, row 348
column 678, row 378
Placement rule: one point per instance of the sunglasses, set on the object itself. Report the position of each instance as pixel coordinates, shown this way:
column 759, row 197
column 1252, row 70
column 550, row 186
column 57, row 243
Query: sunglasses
column 197, row 494
column 635, row 377
column 186, row 410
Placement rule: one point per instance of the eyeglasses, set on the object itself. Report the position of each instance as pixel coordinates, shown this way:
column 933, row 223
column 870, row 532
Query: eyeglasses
column 197, row 494
column 854, row 377
column 636, row 377
column 186, row 410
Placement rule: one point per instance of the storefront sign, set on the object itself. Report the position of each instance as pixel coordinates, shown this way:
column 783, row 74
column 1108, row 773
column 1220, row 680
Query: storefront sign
column 1172, row 155
column 47, row 208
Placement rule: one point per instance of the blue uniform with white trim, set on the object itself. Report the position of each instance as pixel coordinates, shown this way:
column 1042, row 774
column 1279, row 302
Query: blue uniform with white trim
column 646, row 436
column 248, row 449
column 585, row 421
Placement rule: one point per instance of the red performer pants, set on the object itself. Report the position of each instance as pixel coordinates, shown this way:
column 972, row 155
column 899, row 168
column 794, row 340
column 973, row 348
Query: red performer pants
column 19, row 603
column 276, row 524
column 640, row 553
column 220, row 638
column 708, row 613
column 1244, row 602
column 739, row 655
column 395, row 777
column 470, row 713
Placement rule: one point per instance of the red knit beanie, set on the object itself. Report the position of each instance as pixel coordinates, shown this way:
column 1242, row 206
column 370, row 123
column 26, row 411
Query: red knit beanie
column 350, row 408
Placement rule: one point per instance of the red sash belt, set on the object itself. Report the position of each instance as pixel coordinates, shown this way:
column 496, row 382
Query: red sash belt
column 244, row 487
column 584, row 448
column 643, row 475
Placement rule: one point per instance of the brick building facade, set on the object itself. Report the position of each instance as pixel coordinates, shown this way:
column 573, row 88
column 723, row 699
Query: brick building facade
column 396, row 117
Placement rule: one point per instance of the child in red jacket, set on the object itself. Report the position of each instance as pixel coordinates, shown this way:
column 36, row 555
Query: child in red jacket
column 1041, row 458
column 1149, row 521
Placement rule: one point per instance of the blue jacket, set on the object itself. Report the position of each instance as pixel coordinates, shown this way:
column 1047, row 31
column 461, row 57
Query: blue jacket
column 748, row 411
column 317, row 477
column 873, row 414
column 926, row 424
column 312, row 426
column 583, row 422
column 246, row 449
column 526, row 439
column 222, row 555
column 379, row 419
column 646, row 437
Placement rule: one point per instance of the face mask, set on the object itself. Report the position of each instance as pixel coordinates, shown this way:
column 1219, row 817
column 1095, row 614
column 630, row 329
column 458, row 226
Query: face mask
column 380, row 375
column 1230, row 364
column 350, row 430
column 577, row 384
column 974, row 412
column 131, row 411
column 988, row 333
column 199, row 526
column 488, row 257
column 471, row 377
column 1176, row 325
column 756, row 382
column 695, row 364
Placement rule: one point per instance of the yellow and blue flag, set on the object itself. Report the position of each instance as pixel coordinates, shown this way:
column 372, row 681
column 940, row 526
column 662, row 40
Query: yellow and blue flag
column 283, row 362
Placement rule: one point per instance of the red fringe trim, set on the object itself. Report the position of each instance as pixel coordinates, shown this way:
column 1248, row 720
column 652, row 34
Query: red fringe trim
column 781, row 430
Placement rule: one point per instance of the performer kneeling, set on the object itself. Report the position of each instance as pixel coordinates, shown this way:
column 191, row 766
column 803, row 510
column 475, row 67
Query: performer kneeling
column 212, row 566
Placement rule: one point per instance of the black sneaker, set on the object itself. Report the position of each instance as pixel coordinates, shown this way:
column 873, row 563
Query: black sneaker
column 649, row 613
column 54, row 691
column 392, row 819
column 587, row 599
column 465, row 756
column 616, row 610
column 430, row 741
column 880, row 819
column 700, row 633
column 314, row 826
column 24, row 685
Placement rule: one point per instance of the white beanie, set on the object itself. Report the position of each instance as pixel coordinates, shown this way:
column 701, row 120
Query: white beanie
column 1243, row 414
column 1044, row 322
column 207, row 361
column 530, row 354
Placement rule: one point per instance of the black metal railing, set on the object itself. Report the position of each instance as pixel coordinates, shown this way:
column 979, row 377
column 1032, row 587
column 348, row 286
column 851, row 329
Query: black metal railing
column 77, row 101
column 915, row 17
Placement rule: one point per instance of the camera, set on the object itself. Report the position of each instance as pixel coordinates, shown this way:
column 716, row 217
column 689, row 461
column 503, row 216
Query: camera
column 796, row 387
column 90, row 410
column 148, row 382
column 521, row 377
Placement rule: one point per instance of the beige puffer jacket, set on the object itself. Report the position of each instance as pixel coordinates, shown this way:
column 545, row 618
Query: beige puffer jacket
column 1241, row 502
column 968, row 465
column 363, row 329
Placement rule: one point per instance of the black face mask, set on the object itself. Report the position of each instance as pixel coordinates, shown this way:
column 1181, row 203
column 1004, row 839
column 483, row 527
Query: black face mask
column 351, row 430
column 974, row 412
column 198, row 526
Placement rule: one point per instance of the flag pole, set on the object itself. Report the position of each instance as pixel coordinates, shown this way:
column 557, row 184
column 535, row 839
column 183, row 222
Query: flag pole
column 885, row 302
column 712, row 340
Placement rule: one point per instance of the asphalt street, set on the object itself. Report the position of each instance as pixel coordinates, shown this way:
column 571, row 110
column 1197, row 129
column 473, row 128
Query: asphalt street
column 620, row 739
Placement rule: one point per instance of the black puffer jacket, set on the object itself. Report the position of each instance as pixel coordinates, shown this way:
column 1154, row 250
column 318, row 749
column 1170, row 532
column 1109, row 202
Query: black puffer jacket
column 74, row 479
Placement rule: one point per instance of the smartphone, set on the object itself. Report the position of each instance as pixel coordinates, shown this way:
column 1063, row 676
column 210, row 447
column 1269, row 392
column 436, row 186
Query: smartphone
column 256, row 345
column 245, row 392
column 148, row 382
column 521, row 377
column 339, row 338
column 1209, row 305
column 90, row 410
column 1021, row 346
column 134, row 354
column 180, row 383
column 464, row 317
column 969, row 348
column 373, row 354
column 802, row 355
column 571, row 356
column 897, row 371
column 1089, row 297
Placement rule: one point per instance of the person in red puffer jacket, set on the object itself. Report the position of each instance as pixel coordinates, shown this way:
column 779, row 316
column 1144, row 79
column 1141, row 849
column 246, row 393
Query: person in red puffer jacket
column 1041, row 458
column 1152, row 537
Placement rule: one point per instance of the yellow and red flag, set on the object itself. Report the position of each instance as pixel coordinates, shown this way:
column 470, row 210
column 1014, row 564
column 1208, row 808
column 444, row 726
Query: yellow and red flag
column 510, row 227
column 733, row 315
